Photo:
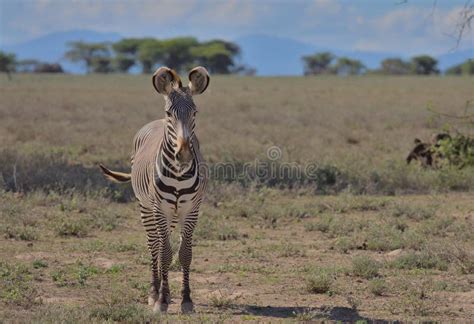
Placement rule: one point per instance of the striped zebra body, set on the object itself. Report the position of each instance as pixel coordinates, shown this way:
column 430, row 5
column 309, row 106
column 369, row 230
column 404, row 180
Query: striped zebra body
column 169, row 180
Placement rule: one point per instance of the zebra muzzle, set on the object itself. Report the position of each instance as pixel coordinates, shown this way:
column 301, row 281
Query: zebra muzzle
column 183, row 152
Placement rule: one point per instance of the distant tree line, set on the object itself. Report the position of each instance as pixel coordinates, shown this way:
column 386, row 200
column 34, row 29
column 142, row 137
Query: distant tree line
column 181, row 53
column 328, row 63
column 219, row 57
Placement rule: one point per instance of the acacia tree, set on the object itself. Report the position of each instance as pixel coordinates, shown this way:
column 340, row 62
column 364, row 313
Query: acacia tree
column 319, row 63
column 93, row 55
column 122, row 63
column 177, row 52
column 217, row 55
column 424, row 64
column 150, row 52
column 466, row 68
column 131, row 50
column 395, row 66
column 7, row 63
column 128, row 46
column 347, row 66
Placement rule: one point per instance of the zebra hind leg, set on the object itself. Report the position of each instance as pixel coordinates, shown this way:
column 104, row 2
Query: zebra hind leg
column 185, row 258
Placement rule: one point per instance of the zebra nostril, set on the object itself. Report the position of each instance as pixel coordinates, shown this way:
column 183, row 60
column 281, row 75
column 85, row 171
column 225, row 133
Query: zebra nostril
column 179, row 155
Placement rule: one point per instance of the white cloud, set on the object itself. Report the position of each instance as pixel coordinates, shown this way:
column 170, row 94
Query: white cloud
column 412, row 30
column 407, row 19
column 325, row 7
column 228, row 13
column 409, row 28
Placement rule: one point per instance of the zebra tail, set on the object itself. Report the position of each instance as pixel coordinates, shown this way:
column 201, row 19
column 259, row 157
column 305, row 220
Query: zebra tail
column 114, row 175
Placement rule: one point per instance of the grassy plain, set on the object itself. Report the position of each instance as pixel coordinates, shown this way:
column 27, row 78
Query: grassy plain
column 368, row 238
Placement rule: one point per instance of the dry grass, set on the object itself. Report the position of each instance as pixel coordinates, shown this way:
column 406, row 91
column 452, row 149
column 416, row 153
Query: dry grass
column 358, row 130
column 73, row 249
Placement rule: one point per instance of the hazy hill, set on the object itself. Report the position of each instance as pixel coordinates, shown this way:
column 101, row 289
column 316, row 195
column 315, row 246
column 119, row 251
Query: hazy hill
column 51, row 47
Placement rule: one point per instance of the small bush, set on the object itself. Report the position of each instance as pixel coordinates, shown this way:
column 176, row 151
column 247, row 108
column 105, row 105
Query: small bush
column 16, row 286
column 417, row 213
column 37, row 264
column 423, row 260
column 414, row 298
column 383, row 238
column 344, row 244
column 323, row 224
column 74, row 275
column 288, row 250
column 105, row 220
column 457, row 150
column 319, row 282
column 124, row 247
column 377, row 287
column 414, row 239
column 20, row 232
column 84, row 272
column 365, row 267
column 128, row 313
column 71, row 227
column 59, row 277
column 212, row 230
column 221, row 300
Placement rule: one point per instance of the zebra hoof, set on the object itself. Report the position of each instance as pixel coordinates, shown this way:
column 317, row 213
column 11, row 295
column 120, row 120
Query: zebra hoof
column 187, row 307
column 160, row 307
column 152, row 298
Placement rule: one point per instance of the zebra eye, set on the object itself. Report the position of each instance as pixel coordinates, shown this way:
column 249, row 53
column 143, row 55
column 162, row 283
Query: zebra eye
column 169, row 114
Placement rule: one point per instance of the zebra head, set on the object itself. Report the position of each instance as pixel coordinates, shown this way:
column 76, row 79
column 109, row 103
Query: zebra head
column 180, row 108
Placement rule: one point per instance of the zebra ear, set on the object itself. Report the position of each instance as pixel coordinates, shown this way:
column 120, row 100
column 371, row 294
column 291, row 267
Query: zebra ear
column 165, row 79
column 198, row 80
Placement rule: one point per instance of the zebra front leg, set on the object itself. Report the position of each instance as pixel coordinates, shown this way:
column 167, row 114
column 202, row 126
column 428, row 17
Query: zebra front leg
column 153, row 293
column 153, row 246
column 166, row 256
column 185, row 258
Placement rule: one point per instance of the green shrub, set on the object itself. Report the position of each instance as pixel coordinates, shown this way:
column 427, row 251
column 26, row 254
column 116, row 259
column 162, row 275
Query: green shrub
column 208, row 229
column 16, row 285
column 221, row 301
column 128, row 313
column 319, row 281
column 365, row 267
column 377, row 287
column 417, row 213
column 457, row 150
column 71, row 227
column 20, row 232
column 289, row 250
column 84, row 272
column 37, row 264
column 417, row 260
column 381, row 237
column 344, row 244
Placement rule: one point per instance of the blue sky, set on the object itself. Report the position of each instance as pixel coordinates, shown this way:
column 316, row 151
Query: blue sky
column 368, row 25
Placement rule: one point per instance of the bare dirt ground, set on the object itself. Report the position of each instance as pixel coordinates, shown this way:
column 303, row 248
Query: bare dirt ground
column 296, row 267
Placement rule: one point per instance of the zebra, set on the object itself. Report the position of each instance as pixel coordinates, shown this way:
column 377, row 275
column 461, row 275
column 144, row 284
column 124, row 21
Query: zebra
column 169, row 178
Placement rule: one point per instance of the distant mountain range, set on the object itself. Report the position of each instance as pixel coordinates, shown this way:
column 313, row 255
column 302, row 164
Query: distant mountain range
column 51, row 47
column 270, row 55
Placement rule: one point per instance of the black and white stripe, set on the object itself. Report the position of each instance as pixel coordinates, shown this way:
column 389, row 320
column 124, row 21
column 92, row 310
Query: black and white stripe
column 169, row 190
